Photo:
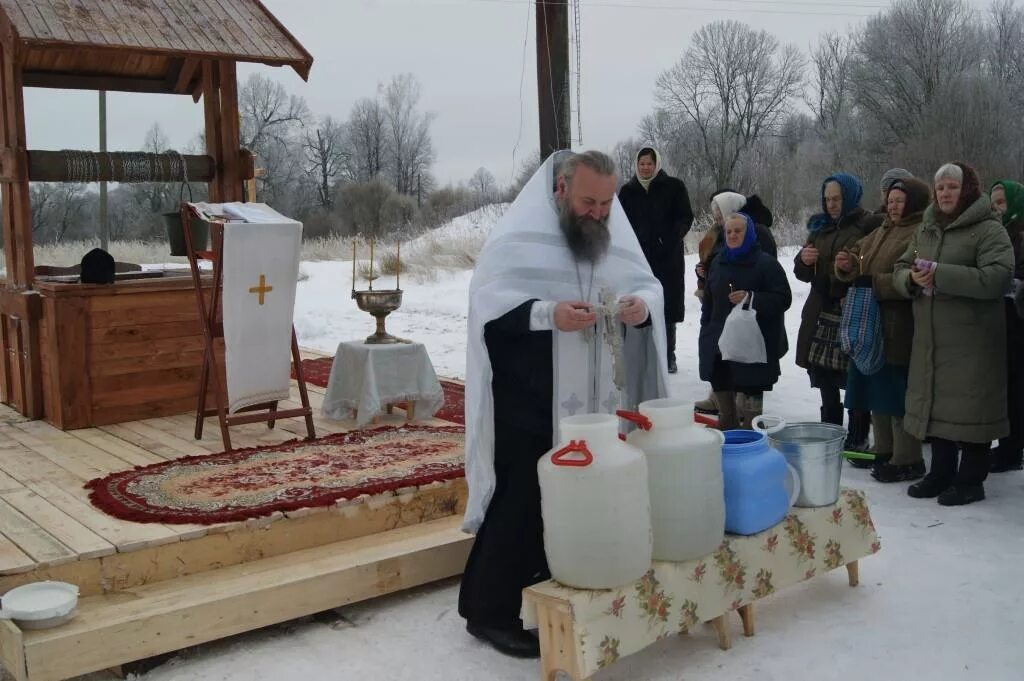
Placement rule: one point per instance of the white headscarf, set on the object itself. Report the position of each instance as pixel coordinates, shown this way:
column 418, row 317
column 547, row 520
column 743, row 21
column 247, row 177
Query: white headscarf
column 526, row 257
column 657, row 167
column 729, row 203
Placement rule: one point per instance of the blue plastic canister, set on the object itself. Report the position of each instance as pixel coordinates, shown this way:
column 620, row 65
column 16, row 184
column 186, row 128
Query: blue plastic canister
column 756, row 492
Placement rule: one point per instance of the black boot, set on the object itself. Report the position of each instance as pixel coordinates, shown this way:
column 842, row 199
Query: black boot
column 857, row 433
column 510, row 641
column 1002, row 461
column 887, row 472
column 942, row 474
column 967, row 487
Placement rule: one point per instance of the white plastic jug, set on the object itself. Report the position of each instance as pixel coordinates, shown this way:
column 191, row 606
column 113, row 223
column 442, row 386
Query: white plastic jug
column 595, row 505
column 684, row 466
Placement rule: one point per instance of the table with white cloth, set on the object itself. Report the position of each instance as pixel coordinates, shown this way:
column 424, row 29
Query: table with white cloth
column 367, row 379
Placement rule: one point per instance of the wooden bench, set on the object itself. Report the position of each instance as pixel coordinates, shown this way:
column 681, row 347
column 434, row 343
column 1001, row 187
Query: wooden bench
column 584, row 631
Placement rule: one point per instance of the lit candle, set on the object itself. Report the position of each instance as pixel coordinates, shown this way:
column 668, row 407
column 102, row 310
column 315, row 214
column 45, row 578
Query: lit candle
column 398, row 275
column 371, row 263
column 353, row 264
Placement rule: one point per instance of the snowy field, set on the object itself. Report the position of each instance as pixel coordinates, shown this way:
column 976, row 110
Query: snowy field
column 941, row 601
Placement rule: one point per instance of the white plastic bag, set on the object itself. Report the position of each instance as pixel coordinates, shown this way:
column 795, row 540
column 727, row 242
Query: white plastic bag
column 741, row 340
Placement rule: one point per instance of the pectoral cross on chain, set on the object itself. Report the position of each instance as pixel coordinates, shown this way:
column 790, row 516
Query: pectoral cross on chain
column 606, row 310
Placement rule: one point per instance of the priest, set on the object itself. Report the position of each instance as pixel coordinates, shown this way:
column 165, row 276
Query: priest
column 565, row 317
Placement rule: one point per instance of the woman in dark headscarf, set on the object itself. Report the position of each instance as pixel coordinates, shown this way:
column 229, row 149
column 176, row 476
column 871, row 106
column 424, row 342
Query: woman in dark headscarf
column 1008, row 205
column 840, row 225
column 870, row 262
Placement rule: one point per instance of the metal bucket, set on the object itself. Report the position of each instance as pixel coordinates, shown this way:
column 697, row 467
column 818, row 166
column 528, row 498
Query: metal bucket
column 815, row 450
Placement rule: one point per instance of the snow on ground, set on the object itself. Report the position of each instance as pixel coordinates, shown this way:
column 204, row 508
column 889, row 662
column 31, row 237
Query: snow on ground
column 942, row 600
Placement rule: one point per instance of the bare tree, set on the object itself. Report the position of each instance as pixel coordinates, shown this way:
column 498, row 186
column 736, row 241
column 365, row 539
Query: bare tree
column 735, row 84
column 410, row 149
column 909, row 54
column 366, row 140
column 57, row 209
column 326, row 156
column 268, row 112
column 624, row 154
column 484, row 187
column 831, row 79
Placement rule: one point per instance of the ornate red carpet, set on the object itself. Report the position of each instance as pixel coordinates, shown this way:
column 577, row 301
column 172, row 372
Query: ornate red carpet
column 249, row 483
column 317, row 371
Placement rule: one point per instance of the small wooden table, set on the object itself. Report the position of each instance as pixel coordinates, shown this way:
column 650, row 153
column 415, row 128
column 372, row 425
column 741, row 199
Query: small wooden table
column 583, row 631
column 367, row 380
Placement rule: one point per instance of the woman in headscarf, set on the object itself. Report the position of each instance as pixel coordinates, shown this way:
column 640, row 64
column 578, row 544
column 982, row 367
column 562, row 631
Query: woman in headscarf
column 870, row 262
column 840, row 225
column 658, row 207
column 957, row 269
column 723, row 204
column 739, row 271
column 1008, row 205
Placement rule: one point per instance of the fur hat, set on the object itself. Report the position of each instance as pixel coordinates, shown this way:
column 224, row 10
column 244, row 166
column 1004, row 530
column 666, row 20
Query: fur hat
column 892, row 175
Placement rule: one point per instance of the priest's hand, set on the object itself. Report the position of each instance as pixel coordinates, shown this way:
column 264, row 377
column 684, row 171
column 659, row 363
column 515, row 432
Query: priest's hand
column 632, row 310
column 574, row 315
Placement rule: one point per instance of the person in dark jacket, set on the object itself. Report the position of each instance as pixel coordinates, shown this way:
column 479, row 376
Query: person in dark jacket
column 742, row 269
column 841, row 224
column 658, row 208
column 1008, row 204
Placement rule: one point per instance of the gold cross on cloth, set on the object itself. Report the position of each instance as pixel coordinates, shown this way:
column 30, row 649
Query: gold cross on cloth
column 262, row 289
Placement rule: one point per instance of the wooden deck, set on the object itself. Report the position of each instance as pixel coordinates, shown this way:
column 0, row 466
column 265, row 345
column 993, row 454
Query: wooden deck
column 50, row 530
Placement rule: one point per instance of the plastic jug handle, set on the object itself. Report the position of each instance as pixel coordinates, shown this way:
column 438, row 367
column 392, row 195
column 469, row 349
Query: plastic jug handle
column 795, row 483
column 758, row 424
column 635, row 417
column 574, row 447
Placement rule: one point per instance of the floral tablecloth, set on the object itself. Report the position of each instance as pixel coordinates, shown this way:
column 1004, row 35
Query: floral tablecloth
column 673, row 597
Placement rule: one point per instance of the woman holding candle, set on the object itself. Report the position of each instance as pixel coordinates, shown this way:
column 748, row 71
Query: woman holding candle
column 956, row 393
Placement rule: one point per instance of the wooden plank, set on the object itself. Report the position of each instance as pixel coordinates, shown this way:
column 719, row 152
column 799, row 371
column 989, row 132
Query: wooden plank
column 212, row 113
column 114, row 415
column 149, row 332
column 9, row 484
column 126, row 451
column 145, row 316
column 154, row 440
column 230, row 139
column 69, row 532
column 169, row 615
column 12, row 559
column 228, row 23
column 172, row 23
column 12, row 651
column 110, row 351
column 78, row 458
column 65, row 491
column 196, row 38
column 156, row 361
column 72, row 347
column 32, row 539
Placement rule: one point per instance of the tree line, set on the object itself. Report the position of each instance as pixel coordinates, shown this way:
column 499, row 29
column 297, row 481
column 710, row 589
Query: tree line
column 918, row 84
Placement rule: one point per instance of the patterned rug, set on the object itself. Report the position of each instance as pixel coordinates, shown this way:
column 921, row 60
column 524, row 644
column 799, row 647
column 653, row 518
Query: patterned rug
column 317, row 371
column 248, row 483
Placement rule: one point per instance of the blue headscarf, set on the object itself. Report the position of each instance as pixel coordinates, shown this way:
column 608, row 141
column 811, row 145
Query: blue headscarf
column 749, row 241
column 852, row 190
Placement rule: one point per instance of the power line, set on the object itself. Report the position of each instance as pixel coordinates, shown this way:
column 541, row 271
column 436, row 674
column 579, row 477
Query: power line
column 522, row 78
column 577, row 27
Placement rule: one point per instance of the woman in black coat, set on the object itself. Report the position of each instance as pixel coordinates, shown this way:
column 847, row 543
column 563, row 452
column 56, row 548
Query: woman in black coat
column 741, row 269
column 658, row 208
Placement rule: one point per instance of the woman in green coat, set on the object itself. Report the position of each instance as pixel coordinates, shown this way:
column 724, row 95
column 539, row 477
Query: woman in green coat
column 957, row 269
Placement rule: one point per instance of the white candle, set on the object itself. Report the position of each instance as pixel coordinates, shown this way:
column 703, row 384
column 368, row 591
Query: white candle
column 371, row 263
column 398, row 275
column 353, row 264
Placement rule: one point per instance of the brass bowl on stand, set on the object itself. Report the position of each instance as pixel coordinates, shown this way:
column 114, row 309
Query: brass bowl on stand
column 380, row 304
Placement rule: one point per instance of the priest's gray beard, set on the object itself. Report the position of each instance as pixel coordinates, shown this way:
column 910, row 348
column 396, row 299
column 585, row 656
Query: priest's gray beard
column 588, row 238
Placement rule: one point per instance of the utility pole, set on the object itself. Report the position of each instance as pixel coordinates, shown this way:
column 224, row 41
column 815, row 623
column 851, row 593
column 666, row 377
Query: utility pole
column 553, row 75
column 104, row 217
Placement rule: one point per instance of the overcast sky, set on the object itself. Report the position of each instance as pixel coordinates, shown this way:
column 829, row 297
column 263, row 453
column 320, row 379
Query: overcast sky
column 468, row 56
